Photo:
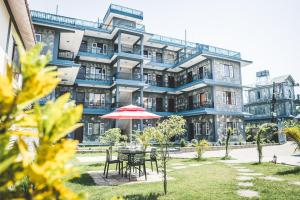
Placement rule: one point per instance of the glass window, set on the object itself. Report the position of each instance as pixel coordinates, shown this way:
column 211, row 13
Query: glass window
column 38, row 37
column 102, row 129
column 197, row 128
column 228, row 71
column 96, row 129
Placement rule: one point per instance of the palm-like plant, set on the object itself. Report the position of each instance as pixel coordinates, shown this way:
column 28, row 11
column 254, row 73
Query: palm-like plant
column 294, row 133
column 201, row 147
column 229, row 133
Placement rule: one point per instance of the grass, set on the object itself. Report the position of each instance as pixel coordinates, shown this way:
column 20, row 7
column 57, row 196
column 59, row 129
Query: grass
column 208, row 181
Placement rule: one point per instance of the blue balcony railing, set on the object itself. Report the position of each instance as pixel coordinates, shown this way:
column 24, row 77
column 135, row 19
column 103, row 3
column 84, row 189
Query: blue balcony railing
column 94, row 77
column 127, row 76
column 79, row 23
column 97, row 51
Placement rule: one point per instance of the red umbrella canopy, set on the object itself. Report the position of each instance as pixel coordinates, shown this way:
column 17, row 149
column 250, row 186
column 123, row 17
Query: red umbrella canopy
column 130, row 112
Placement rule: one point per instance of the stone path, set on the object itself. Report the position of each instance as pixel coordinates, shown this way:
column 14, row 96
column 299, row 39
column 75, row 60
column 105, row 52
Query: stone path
column 248, row 193
column 272, row 178
column 176, row 166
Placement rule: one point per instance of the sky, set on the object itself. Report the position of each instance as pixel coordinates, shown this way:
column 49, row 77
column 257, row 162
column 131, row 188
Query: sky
column 266, row 32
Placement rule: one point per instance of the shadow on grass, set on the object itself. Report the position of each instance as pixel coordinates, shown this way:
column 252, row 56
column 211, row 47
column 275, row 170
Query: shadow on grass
column 95, row 165
column 151, row 196
column 84, row 179
column 296, row 170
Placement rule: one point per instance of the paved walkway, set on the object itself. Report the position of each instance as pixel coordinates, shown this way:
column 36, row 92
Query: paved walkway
column 285, row 154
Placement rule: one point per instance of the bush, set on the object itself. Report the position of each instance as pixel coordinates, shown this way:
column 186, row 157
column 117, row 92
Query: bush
column 183, row 142
column 201, row 147
column 194, row 142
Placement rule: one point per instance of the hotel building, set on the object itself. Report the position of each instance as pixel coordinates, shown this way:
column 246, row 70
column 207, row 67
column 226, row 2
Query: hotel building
column 117, row 62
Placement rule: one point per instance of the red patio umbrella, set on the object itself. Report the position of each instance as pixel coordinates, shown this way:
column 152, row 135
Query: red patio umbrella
column 130, row 112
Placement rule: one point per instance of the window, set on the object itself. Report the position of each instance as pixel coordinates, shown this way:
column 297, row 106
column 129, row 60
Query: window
column 96, row 129
column 146, row 53
column 205, row 128
column 290, row 94
column 229, row 98
column 38, row 37
column 104, row 48
column 95, row 99
column 232, row 125
column 102, row 129
column 228, row 71
column 90, row 128
column 203, row 98
column 148, row 102
column 197, row 128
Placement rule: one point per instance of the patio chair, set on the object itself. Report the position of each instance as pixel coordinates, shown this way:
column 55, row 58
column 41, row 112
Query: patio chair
column 153, row 158
column 135, row 161
column 122, row 158
column 109, row 161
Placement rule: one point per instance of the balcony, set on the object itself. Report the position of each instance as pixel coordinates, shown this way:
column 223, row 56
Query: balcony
column 95, row 107
column 193, row 79
column 194, row 106
column 95, row 53
column 96, row 80
column 128, row 79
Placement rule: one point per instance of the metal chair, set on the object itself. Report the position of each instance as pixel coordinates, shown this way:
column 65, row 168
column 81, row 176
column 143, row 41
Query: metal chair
column 134, row 161
column 122, row 158
column 153, row 158
column 109, row 161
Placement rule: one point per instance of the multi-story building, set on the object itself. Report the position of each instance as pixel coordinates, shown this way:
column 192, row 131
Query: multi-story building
column 270, row 99
column 116, row 62
column 15, row 26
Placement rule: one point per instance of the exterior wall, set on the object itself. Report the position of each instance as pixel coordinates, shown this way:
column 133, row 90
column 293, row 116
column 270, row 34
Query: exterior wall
column 219, row 104
column 221, row 125
column 87, row 65
column 218, row 71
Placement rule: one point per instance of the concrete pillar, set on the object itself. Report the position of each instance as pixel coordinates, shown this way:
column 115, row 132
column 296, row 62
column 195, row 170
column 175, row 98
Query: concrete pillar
column 117, row 95
column 142, row 46
column 141, row 104
column 119, row 41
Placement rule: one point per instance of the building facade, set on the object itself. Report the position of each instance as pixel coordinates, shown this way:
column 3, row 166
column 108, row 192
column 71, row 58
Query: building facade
column 15, row 25
column 270, row 98
column 117, row 62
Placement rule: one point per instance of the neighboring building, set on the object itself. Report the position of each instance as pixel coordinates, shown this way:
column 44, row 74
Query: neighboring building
column 259, row 99
column 15, row 23
column 114, row 63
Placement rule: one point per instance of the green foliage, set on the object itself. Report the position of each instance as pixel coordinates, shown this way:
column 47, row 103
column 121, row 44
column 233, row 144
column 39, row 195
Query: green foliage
column 294, row 134
column 194, row 142
column 264, row 131
column 41, row 174
column 166, row 130
column 145, row 137
column 201, row 147
column 183, row 142
column 112, row 137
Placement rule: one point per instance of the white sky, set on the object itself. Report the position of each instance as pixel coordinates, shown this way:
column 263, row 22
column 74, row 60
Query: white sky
column 266, row 32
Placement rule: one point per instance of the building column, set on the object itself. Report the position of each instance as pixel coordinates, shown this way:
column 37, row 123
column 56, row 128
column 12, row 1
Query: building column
column 56, row 45
column 142, row 62
column 119, row 41
column 117, row 95
column 142, row 46
column 141, row 104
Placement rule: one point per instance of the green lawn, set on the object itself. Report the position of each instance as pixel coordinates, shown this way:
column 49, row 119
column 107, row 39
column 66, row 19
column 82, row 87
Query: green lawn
column 208, row 181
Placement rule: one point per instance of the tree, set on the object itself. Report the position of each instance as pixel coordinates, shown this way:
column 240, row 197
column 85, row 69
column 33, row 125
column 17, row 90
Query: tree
column 229, row 133
column 165, row 131
column 294, row 133
column 41, row 174
column 201, row 147
column 145, row 137
column 112, row 137
column 263, row 134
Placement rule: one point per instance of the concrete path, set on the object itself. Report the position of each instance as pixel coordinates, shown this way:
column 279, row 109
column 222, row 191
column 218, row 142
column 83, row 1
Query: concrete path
column 285, row 154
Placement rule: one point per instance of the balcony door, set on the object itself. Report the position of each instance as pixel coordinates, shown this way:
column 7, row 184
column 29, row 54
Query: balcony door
column 171, row 81
column 203, row 98
column 81, row 73
column 190, row 102
column 159, row 105
column 83, row 46
column 201, row 72
column 159, row 80
column 191, row 132
column 190, row 77
column 78, row 134
column 171, row 105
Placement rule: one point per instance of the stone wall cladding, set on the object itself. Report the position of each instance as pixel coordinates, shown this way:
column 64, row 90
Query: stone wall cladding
column 47, row 38
column 220, row 124
column 200, row 119
column 218, row 100
column 218, row 71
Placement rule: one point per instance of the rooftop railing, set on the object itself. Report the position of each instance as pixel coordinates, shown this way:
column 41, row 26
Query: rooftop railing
column 173, row 40
column 79, row 23
column 123, row 9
